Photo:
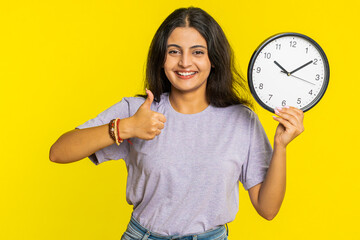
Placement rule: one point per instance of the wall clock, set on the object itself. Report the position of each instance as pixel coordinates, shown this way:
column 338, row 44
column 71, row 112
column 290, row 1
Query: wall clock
column 288, row 69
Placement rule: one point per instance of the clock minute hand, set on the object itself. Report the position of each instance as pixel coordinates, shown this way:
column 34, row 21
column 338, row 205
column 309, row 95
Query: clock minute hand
column 283, row 69
column 301, row 67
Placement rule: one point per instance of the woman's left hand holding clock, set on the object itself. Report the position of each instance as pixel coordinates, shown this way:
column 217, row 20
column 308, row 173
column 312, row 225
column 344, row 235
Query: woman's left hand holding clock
column 290, row 125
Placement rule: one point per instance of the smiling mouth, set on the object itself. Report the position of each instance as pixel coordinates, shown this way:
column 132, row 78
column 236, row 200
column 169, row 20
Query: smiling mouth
column 185, row 74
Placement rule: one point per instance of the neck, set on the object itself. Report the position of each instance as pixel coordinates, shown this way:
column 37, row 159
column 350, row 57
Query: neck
column 188, row 103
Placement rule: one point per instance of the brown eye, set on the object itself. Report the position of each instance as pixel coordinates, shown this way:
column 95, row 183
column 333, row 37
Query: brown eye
column 199, row 52
column 173, row 51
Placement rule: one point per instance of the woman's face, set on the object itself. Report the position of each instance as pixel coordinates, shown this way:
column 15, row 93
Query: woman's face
column 187, row 64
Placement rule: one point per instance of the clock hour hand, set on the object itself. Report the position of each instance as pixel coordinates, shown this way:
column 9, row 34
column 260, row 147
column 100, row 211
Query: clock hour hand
column 283, row 69
column 301, row 67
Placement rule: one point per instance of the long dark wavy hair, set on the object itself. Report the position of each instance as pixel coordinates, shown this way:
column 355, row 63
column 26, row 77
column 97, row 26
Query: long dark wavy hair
column 225, row 85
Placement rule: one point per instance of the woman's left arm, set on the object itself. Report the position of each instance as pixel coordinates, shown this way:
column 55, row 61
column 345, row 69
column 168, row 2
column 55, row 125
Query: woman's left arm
column 267, row 196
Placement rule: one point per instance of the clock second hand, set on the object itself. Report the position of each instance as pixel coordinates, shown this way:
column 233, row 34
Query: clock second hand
column 299, row 78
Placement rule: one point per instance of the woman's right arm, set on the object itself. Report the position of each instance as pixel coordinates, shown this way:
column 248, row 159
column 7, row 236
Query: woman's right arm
column 81, row 143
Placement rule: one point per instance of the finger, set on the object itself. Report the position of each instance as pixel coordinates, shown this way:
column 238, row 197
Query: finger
column 289, row 116
column 149, row 99
column 284, row 122
column 297, row 111
column 161, row 117
column 294, row 112
column 158, row 132
column 299, row 114
column 160, row 125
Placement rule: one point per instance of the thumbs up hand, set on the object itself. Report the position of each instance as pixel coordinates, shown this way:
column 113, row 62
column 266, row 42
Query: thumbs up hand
column 147, row 124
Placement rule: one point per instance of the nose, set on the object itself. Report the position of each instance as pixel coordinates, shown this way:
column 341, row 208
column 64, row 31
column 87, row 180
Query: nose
column 185, row 60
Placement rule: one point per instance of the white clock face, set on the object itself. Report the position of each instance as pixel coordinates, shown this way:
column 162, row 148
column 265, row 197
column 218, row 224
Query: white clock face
column 290, row 70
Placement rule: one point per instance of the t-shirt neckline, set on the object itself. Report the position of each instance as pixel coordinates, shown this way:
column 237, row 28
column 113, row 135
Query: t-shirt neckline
column 183, row 114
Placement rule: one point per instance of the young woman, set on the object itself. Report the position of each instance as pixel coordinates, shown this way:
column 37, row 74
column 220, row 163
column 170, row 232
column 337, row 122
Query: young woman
column 191, row 139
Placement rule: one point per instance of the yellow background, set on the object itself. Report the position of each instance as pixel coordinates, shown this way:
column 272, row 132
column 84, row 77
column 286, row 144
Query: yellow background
column 63, row 62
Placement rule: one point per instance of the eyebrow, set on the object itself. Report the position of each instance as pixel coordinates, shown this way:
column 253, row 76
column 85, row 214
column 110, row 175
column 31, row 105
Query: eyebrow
column 195, row 46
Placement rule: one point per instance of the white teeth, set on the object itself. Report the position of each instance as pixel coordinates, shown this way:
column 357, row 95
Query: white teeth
column 186, row 73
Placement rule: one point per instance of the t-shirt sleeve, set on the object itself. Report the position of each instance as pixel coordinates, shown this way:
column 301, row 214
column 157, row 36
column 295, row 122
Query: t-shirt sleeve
column 112, row 152
column 259, row 155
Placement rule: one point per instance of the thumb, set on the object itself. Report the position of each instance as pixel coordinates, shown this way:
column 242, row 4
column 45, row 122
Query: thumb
column 149, row 99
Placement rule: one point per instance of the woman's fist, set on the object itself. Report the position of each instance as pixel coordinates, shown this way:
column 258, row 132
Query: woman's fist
column 146, row 123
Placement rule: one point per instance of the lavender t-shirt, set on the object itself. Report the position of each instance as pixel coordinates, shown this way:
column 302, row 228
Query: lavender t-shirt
column 186, row 180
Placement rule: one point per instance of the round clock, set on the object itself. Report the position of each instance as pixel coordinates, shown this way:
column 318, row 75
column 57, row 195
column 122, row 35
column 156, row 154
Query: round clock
column 288, row 69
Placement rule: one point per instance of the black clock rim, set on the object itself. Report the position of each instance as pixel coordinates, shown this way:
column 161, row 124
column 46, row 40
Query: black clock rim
column 270, row 39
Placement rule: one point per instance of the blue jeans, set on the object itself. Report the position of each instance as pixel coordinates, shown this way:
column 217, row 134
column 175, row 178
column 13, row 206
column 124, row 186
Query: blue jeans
column 135, row 231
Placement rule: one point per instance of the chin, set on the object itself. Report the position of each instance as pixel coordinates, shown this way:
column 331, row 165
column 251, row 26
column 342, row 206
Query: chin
column 186, row 89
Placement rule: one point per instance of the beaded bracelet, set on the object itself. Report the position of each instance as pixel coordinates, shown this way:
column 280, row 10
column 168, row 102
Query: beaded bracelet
column 114, row 131
column 111, row 129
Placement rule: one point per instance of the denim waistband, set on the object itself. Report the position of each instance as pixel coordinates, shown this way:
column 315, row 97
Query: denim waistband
column 212, row 234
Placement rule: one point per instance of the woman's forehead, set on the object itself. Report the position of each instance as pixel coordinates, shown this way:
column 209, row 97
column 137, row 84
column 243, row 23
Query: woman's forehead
column 186, row 37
